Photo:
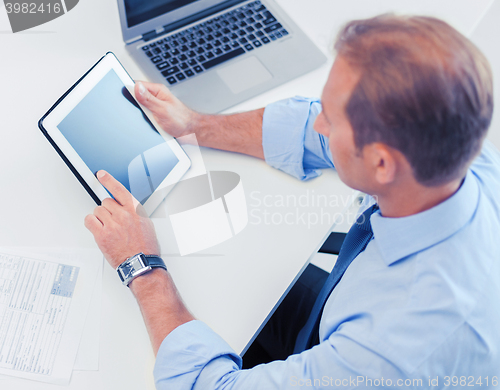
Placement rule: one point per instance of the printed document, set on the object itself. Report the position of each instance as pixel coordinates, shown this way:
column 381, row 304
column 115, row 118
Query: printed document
column 43, row 306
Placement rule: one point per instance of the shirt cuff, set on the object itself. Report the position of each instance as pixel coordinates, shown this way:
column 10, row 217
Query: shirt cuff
column 284, row 135
column 186, row 351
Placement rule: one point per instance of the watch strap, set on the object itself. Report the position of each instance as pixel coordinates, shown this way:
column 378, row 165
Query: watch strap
column 155, row 261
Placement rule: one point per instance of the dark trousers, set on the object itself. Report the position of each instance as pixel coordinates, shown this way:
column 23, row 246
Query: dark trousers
column 277, row 339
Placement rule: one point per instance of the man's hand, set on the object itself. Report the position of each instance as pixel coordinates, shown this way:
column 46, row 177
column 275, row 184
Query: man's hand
column 121, row 227
column 170, row 113
column 240, row 133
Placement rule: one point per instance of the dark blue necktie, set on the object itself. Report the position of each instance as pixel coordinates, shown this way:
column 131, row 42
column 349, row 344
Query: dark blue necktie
column 354, row 243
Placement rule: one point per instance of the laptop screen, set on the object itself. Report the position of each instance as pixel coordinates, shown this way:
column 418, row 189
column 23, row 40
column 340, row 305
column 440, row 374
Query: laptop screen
column 139, row 11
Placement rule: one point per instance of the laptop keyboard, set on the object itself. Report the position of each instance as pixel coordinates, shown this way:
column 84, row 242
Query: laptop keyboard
column 192, row 51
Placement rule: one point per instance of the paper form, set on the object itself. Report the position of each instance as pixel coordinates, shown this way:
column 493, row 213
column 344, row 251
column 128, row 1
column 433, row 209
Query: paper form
column 43, row 305
column 88, row 350
column 35, row 297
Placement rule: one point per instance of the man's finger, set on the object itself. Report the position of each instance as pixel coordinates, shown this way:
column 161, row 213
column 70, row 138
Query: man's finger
column 103, row 215
column 159, row 91
column 119, row 192
column 93, row 224
column 111, row 205
column 149, row 98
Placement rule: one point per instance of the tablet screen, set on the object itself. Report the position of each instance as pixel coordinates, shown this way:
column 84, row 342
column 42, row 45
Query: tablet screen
column 109, row 131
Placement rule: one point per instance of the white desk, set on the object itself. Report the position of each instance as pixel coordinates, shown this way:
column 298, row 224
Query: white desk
column 231, row 286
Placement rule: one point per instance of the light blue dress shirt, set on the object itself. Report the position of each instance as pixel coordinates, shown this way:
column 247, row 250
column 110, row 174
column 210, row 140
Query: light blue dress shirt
column 419, row 308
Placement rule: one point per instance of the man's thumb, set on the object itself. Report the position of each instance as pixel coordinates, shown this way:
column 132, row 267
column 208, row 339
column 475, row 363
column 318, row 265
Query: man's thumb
column 145, row 97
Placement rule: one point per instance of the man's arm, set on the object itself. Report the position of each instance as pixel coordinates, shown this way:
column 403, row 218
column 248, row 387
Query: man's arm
column 241, row 133
column 283, row 133
column 121, row 230
column 161, row 305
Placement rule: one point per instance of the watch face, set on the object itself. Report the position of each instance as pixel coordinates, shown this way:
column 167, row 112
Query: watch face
column 133, row 267
column 137, row 264
column 129, row 268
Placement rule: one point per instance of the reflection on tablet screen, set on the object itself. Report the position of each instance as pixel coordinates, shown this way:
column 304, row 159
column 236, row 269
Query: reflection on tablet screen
column 109, row 131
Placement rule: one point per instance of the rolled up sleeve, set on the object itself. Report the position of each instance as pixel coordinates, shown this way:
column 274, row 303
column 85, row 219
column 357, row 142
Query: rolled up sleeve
column 186, row 351
column 195, row 357
column 289, row 140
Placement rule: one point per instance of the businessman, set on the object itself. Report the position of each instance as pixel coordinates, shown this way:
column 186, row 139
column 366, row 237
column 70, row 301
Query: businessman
column 403, row 117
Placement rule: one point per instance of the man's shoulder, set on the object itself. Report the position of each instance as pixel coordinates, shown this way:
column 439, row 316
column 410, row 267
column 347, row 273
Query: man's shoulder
column 486, row 167
column 485, row 223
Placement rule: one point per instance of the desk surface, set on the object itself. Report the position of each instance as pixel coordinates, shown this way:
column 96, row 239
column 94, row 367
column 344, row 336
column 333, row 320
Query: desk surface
column 231, row 286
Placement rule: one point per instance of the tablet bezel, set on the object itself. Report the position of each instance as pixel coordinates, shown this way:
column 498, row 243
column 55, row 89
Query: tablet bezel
column 49, row 123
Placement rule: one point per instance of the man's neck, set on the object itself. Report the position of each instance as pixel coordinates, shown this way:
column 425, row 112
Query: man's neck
column 413, row 199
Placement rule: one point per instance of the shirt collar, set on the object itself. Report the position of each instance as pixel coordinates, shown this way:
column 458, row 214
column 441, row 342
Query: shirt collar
column 398, row 238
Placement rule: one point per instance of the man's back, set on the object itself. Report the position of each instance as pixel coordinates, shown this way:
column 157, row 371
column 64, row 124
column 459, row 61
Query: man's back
column 422, row 299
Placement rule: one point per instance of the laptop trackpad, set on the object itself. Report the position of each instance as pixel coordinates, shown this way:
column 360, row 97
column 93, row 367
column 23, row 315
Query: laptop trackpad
column 244, row 74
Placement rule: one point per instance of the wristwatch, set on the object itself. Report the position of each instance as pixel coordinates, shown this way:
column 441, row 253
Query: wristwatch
column 138, row 265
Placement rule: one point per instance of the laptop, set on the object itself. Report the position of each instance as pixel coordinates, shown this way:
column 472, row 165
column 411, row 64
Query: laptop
column 213, row 54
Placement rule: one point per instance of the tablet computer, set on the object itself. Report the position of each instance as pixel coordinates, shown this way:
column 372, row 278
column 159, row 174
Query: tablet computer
column 97, row 124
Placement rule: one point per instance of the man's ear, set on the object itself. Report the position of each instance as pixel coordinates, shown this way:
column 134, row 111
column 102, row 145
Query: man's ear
column 383, row 161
